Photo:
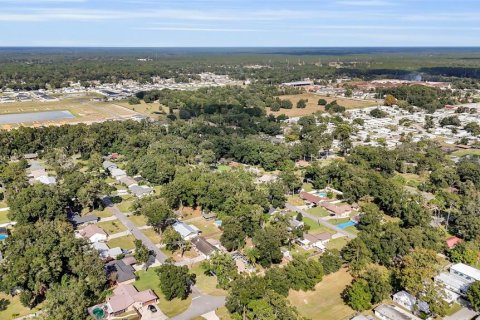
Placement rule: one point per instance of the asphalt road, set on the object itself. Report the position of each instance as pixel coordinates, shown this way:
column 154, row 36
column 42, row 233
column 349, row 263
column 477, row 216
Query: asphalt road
column 201, row 305
column 137, row 233
column 319, row 220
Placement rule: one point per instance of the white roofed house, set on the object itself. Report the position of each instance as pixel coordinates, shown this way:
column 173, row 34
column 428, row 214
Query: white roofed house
column 117, row 173
column 409, row 302
column 140, row 191
column 186, row 231
column 456, row 282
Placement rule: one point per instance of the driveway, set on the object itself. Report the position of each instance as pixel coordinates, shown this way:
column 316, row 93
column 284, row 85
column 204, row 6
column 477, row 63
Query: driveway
column 319, row 220
column 137, row 233
column 200, row 305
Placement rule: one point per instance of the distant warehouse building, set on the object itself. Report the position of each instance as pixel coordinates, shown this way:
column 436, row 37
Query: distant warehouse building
column 305, row 83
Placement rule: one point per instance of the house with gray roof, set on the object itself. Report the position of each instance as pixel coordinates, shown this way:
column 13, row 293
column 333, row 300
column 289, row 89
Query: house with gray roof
column 186, row 231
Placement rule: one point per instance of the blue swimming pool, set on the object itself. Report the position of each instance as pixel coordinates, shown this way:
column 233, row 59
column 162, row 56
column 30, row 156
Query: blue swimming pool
column 346, row 224
column 3, row 237
column 322, row 194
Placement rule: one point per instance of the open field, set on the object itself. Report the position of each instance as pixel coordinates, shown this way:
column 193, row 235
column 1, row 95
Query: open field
column 208, row 228
column 150, row 280
column 153, row 110
column 318, row 212
column 338, row 243
column 326, row 301
column 82, row 108
column 312, row 104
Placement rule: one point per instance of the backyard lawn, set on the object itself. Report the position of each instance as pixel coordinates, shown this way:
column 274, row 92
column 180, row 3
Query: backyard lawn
column 126, row 242
column 208, row 228
column 3, row 217
column 207, row 284
column 326, row 301
column 14, row 308
column 461, row 153
column 338, row 243
column 295, row 200
column 112, row 227
column 153, row 235
column 149, row 280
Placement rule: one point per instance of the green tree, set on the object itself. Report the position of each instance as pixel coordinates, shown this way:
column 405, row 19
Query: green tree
column 378, row 280
column 473, row 295
column 223, row 267
column 331, row 261
column 142, row 253
column 175, row 281
column 322, row 102
column 36, row 202
column 358, row 295
column 158, row 213
column 68, row 300
column 233, row 236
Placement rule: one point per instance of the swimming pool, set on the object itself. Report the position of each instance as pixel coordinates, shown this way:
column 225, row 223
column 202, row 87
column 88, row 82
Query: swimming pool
column 322, row 194
column 3, row 237
column 346, row 224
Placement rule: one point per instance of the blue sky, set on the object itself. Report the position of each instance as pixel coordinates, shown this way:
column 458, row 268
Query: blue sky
column 204, row 23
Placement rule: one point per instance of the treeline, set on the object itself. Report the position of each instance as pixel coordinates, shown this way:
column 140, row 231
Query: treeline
column 423, row 97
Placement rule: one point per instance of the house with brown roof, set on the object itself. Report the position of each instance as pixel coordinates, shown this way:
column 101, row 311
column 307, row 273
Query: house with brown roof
column 342, row 211
column 93, row 233
column 203, row 246
column 126, row 298
column 311, row 198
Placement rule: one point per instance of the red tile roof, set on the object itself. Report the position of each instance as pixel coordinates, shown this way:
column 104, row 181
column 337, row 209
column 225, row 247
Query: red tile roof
column 453, row 241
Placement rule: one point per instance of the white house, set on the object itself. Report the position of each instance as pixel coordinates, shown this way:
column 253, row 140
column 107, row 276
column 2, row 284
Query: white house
column 409, row 302
column 93, row 233
column 391, row 312
column 187, row 231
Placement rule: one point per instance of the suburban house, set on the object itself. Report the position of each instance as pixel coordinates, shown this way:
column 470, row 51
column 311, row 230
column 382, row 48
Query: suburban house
column 391, row 312
column 203, row 246
column 409, row 302
column 120, row 272
column 452, row 242
column 311, row 198
column 315, row 241
column 266, row 178
column 77, row 220
column 140, row 191
column 294, row 223
column 187, row 231
column 107, row 165
column 128, row 181
column 209, row 215
column 105, row 252
column 93, row 233
column 342, row 211
column 458, row 280
column 117, row 173
column 126, row 298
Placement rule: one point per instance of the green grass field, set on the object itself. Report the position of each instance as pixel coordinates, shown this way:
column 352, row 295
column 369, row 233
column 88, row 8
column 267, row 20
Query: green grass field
column 223, row 168
column 126, row 242
column 325, row 302
column 149, row 280
column 112, row 227
column 208, row 228
column 307, row 187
